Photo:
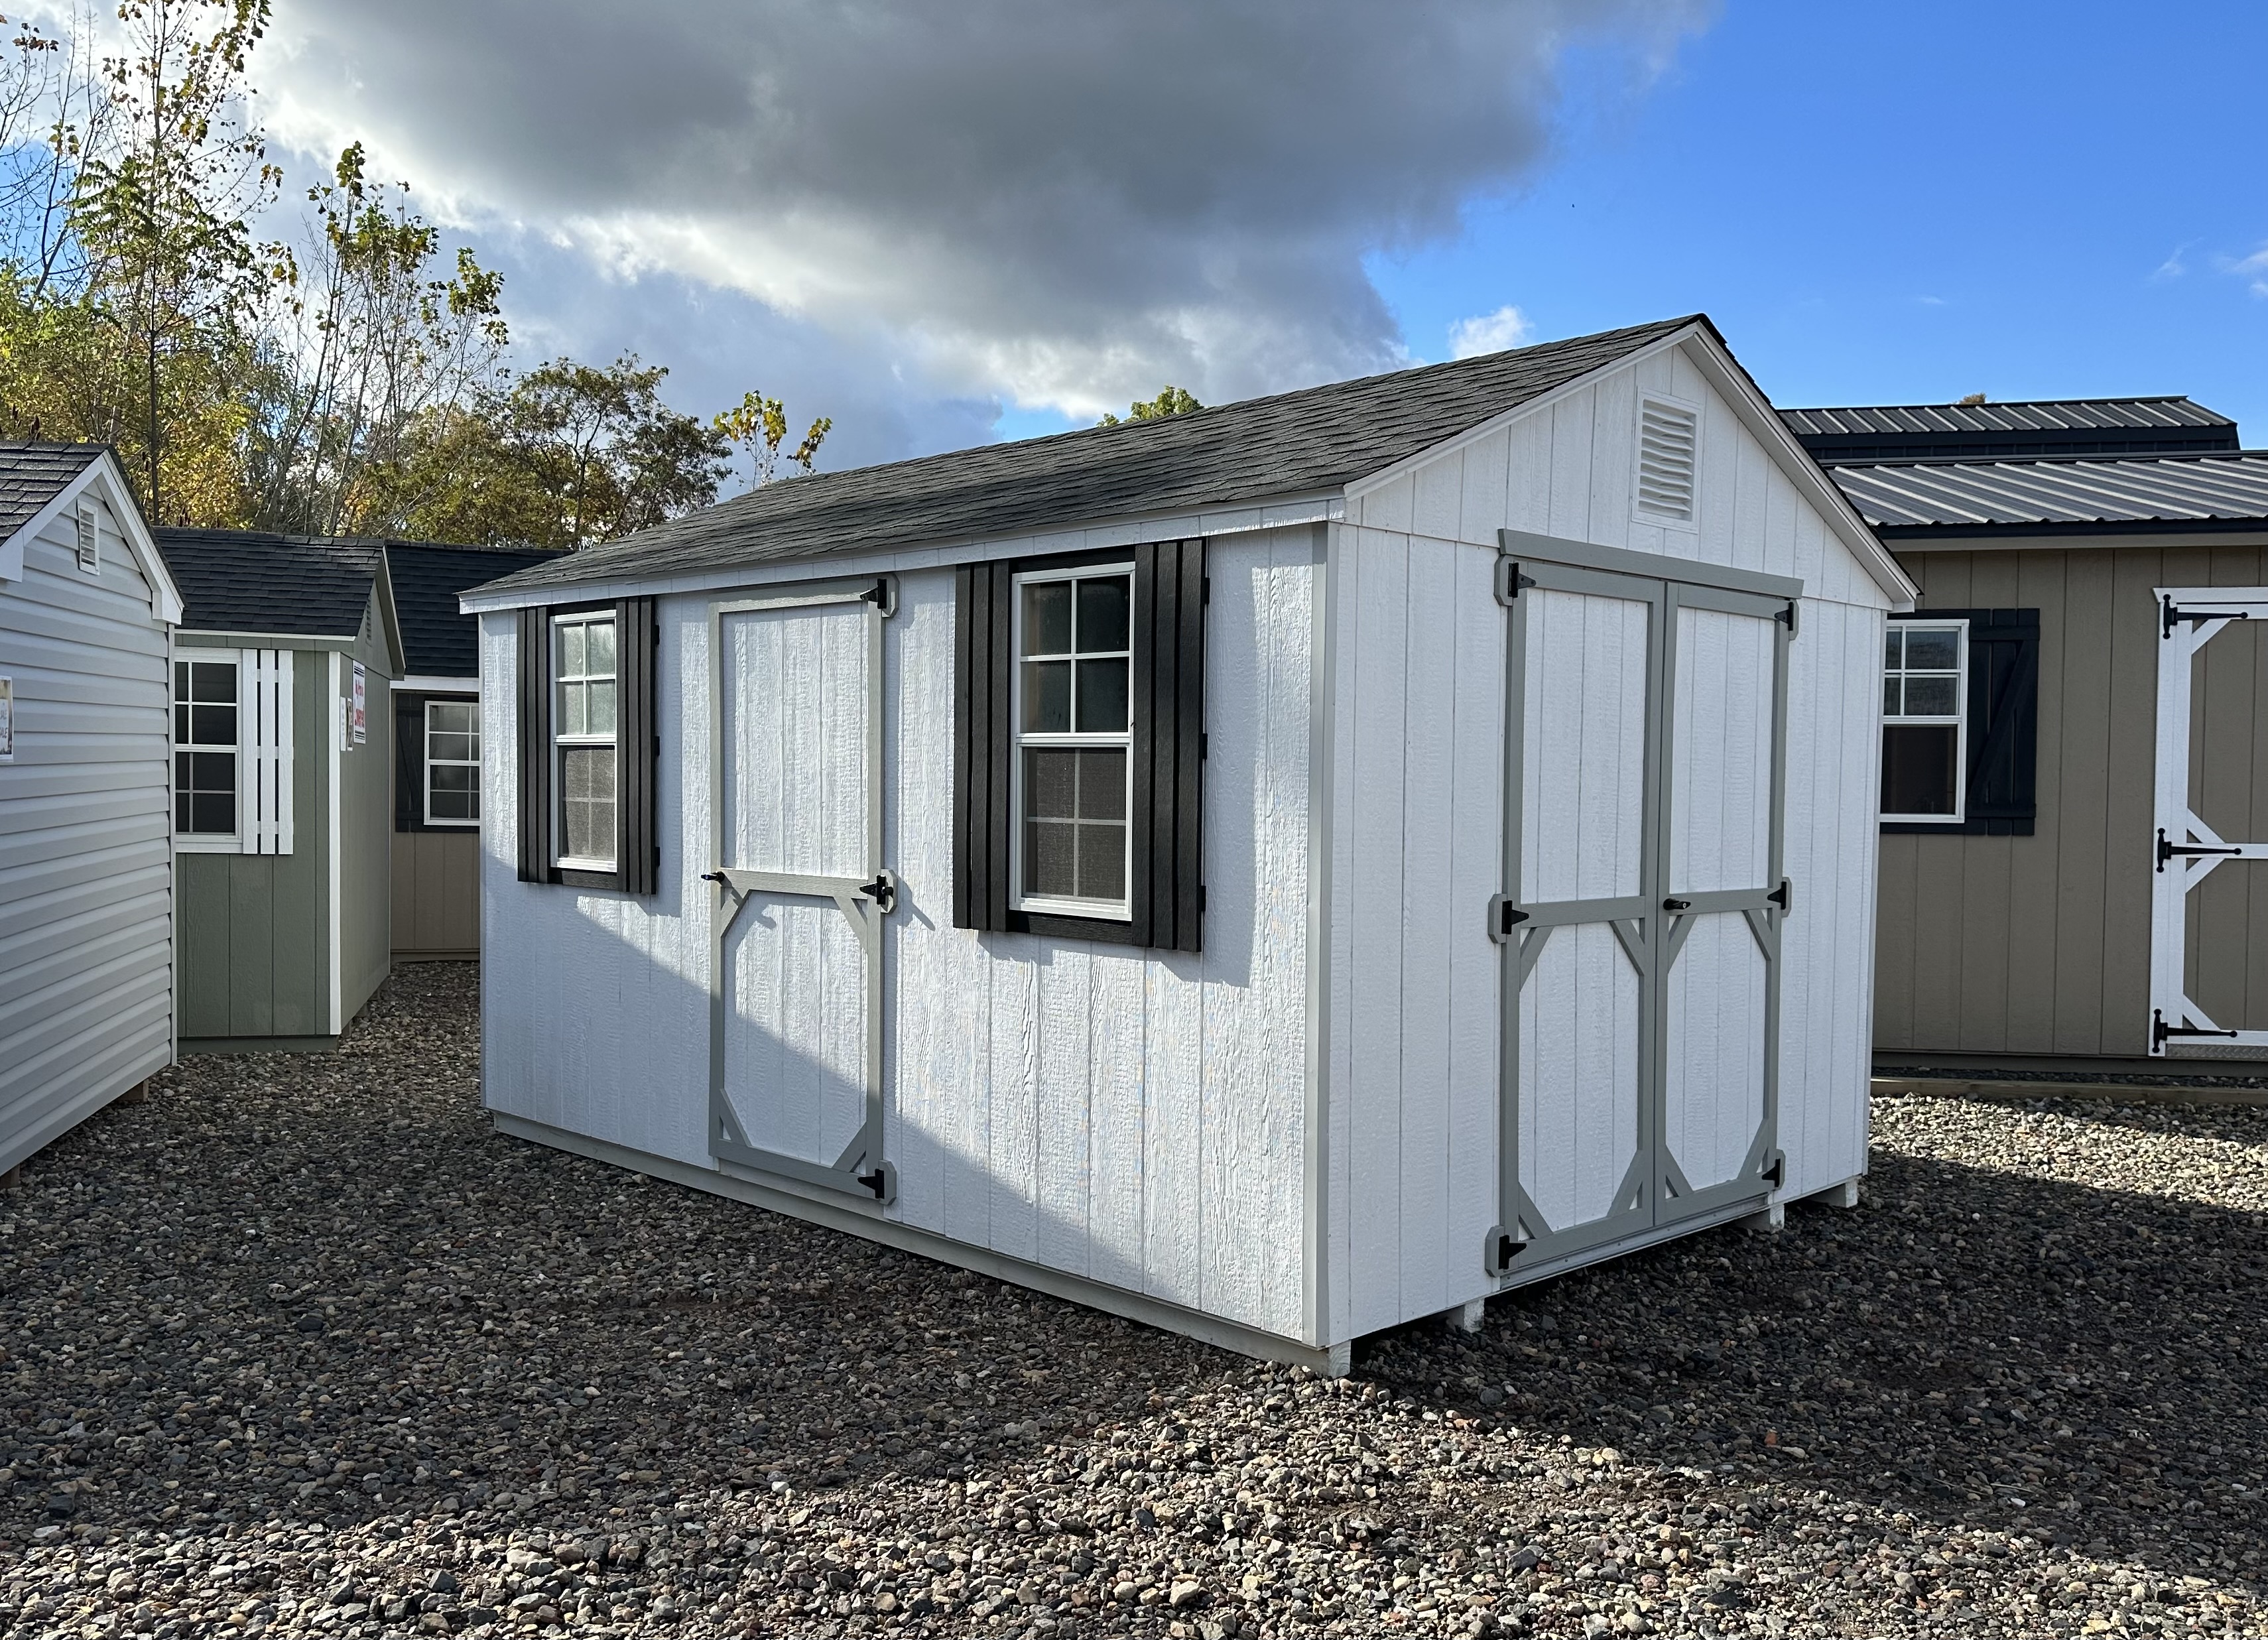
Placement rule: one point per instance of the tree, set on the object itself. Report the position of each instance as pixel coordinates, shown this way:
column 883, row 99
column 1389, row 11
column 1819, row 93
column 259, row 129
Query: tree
column 364, row 337
column 134, row 277
column 1171, row 400
column 566, row 456
column 759, row 426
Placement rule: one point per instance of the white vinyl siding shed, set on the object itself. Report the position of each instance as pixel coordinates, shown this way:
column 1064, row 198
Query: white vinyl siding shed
column 1297, row 1133
column 86, row 903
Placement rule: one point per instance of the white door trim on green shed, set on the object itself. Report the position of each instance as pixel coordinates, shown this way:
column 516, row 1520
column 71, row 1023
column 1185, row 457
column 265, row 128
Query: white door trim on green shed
column 86, row 901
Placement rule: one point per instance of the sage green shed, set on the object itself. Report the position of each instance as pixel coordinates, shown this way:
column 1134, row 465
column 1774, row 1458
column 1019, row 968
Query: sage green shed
column 282, row 764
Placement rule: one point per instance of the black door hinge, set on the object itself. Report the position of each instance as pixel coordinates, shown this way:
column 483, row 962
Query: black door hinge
column 2190, row 850
column 1204, row 746
column 1783, row 896
column 1204, row 590
column 1510, row 581
column 883, row 891
column 883, row 595
column 1503, row 917
column 2171, row 612
column 2161, row 1032
column 1788, row 615
column 878, row 1182
column 1775, row 1170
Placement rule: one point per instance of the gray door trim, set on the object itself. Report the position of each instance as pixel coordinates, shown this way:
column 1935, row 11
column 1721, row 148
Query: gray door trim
column 1651, row 936
column 861, row 1170
column 1525, row 547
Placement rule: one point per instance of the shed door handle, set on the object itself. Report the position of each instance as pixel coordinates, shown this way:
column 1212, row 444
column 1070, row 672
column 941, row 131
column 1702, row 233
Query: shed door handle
column 1677, row 905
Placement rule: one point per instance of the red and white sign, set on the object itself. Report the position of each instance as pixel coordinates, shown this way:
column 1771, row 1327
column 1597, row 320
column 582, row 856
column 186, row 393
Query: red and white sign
column 358, row 718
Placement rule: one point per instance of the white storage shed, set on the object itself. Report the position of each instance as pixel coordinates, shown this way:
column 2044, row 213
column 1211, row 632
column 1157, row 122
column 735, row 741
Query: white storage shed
column 1276, row 873
column 87, row 613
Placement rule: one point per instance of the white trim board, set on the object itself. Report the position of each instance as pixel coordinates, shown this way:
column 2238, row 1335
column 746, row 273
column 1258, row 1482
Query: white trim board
column 1129, row 530
column 417, row 683
column 334, row 733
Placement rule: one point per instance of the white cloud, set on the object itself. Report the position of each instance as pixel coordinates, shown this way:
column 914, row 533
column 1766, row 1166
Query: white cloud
column 1490, row 333
column 2254, row 270
column 1062, row 206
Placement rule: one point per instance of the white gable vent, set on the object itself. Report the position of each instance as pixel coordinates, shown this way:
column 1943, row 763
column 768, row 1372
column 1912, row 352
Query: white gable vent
column 1668, row 434
column 90, row 539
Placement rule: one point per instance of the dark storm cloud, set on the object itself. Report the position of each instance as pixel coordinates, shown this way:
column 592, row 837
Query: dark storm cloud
column 1060, row 203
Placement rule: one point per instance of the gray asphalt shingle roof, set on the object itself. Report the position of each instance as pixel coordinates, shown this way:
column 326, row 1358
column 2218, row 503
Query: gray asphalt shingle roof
column 34, row 475
column 1289, row 444
column 2081, row 492
column 253, row 581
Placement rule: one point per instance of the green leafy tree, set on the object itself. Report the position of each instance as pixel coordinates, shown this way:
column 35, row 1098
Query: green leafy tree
column 365, row 335
column 1171, row 400
column 565, row 456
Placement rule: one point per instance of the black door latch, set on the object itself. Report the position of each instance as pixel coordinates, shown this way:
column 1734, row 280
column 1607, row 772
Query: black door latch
column 1677, row 905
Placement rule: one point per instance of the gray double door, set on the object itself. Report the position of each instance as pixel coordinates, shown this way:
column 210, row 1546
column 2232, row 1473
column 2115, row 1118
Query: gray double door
column 1645, row 781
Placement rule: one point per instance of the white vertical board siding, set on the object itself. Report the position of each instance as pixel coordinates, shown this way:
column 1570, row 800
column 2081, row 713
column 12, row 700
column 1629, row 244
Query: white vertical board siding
column 1135, row 1117
column 1565, row 468
column 1827, row 951
column 597, row 1021
column 1583, row 782
column 85, row 857
column 1418, row 790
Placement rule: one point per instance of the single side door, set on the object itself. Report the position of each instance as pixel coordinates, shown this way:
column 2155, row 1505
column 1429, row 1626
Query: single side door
column 800, row 890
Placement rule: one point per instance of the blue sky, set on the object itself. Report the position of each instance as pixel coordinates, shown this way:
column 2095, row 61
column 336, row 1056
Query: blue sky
column 944, row 226
column 1911, row 202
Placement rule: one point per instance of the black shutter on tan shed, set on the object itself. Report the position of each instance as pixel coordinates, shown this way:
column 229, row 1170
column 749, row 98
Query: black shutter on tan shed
column 1165, row 891
column 2002, row 717
column 637, row 744
column 409, row 762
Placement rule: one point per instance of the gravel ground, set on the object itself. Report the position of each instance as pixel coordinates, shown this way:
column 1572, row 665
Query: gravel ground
column 300, row 1346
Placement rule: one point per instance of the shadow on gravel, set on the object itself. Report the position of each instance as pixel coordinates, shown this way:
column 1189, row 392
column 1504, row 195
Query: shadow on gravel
column 1970, row 1346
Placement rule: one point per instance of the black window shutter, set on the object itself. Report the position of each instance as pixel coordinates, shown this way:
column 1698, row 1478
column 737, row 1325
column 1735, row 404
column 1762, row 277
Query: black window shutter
column 2003, row 720
column 409, row 762
column 637, row 747
column 1166, row 890
column 534, row 717
column 2003, row 716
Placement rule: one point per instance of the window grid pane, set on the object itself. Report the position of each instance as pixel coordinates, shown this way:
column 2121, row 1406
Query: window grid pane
column 1922, row 711
column 453, row 762
column 205, row 727
column 584, row 734
column 1074, row 718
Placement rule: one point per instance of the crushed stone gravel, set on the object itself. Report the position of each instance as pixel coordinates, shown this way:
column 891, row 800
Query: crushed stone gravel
column 301, row 1346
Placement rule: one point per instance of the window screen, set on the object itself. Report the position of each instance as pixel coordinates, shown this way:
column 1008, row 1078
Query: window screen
column 205, row 745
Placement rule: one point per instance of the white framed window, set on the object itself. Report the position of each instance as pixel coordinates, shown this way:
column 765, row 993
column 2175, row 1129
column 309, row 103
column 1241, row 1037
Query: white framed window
column 1925, row 721
column 583, row 736
column 207, row 725
column 1072, row 770
column 453, row 763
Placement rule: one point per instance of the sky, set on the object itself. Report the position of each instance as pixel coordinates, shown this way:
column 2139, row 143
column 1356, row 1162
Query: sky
column 943, row 225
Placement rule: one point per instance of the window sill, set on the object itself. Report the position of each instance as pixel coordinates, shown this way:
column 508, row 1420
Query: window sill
column 1974, row 826
column 207, row 842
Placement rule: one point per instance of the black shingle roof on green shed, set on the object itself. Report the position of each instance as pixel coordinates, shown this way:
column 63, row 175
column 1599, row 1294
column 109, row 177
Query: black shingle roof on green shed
column 256, row 581
column 1289, row 444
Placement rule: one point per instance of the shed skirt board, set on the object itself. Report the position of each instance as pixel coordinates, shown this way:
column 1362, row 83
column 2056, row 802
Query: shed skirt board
column 795, row 1015
column 2192, row 862
column 1641, row 935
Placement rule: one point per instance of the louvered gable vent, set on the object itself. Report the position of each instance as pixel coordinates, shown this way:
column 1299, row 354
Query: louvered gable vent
column 1668, row 434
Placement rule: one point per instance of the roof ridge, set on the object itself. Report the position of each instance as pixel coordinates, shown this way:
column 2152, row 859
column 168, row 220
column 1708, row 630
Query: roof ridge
column 2097, row 457
column 2003, row 404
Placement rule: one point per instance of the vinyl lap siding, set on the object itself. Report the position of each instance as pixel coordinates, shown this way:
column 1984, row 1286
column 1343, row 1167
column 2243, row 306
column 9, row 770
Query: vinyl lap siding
column 86, row 879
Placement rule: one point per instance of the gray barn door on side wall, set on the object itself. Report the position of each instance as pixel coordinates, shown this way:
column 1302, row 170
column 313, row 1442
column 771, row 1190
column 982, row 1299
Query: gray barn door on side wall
column 795, row 1048
column 2202, row 996
column 1644, row 780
